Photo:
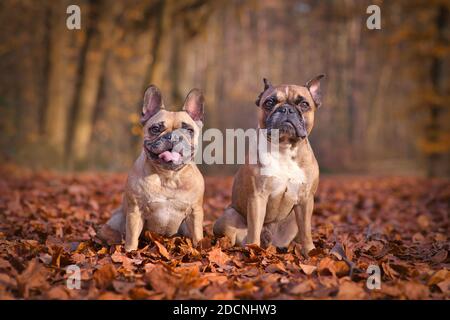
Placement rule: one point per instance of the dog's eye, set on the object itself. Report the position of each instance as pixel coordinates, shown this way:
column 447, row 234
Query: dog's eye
column 269, row 103
column 187, row 127
column 304, row 104
column 155, row 129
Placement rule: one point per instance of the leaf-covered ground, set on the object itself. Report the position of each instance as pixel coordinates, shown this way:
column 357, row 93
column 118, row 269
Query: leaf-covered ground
column 49, row 221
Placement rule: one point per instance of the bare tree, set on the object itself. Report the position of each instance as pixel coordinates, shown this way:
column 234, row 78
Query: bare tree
column 100, row 39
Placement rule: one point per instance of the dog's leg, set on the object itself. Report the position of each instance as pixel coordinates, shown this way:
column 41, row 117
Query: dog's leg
column 283, row 232
column 111, row 232
column 134, row 226
column 117, row 221
column 232, row 225
column 194, row 224
column 303, row 213
column 256, row 213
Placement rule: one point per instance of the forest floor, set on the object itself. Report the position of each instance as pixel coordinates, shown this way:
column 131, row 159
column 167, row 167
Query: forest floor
column 48, row 221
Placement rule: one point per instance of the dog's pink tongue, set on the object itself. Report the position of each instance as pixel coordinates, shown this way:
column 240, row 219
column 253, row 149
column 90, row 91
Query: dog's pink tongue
column 170, row 156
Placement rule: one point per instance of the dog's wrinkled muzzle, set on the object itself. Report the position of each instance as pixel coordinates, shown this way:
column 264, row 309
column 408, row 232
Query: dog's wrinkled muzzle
column 287, row 118
column 168, row 149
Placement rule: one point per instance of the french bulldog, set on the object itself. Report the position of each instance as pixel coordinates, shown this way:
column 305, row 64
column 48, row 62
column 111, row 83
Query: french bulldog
column 272, row 200
column 164, row 189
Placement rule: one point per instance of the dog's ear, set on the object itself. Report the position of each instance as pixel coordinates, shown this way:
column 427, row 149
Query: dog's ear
column 152, row 103
column 313, row 86
column 194, row 104
column 267, row 85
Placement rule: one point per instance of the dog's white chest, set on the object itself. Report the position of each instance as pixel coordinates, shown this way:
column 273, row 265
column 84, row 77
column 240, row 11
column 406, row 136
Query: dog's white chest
column 163, row 213
column 288, row 178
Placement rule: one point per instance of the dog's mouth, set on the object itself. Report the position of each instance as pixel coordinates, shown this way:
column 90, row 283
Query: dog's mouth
column 287, row 127
column 290, row 130
column 167, row 155
column 171, row 157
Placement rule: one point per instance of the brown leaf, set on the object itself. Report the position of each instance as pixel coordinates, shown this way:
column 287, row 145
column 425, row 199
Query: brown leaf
column 388, row 271
column 7, row 281
column 444, row 286
column 341, row 268
column 78, row 258
column 302, row 288
column 391, row 290
column 110, row 296
column 122, row 286
column 57, row 293
column 4, row 264
column 33, row 277
column 439, row 257
column 140, row 293
column 414, row 290
column 326, row 267
column 252, row 272
column 104, row 276
column 418, row 237
column 217, row 256
column 162, row 250
column 351, row 291
column 162, row 280
column 307, row 269
column 439, row 276
column 423, row 221
column 215, row 278
column 276, row 267
column 315, row 252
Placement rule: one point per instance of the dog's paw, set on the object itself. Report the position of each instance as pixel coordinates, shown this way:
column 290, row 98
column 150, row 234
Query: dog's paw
column 266, row 238
column 307, row 249
column 130, row 247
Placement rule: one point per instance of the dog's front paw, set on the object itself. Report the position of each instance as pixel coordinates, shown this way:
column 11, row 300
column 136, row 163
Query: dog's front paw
column 266, row 238
column 307, row 249
column 130, row 247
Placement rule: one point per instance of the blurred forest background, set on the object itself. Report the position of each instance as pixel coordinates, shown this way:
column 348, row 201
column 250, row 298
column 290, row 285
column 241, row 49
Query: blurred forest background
column 70, row 99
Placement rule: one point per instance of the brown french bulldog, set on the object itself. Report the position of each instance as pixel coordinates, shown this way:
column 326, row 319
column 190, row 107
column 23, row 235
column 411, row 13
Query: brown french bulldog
column 164, row 189
column 272, row 200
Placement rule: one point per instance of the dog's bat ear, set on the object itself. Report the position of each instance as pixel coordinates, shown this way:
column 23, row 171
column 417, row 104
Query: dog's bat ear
column 267, row 85
column 194, row 104
column 313, row 86
column 152, row 103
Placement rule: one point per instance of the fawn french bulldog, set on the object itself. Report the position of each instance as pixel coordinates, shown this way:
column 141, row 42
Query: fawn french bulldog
column 164, row 189
column 272, row 201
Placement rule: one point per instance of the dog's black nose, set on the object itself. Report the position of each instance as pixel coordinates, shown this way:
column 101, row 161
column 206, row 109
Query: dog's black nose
column 168, row 136
column 286, row 109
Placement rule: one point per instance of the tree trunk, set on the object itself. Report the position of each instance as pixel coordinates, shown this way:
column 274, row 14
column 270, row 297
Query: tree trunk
column 98, row 44
column 159, row 74
column 58, row 104
column 435, row 130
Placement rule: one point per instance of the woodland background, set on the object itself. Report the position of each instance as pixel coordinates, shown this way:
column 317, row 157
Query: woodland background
column 71, row 99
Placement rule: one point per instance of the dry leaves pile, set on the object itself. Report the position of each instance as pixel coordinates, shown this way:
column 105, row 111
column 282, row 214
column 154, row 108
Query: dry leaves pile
column 49, row 221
